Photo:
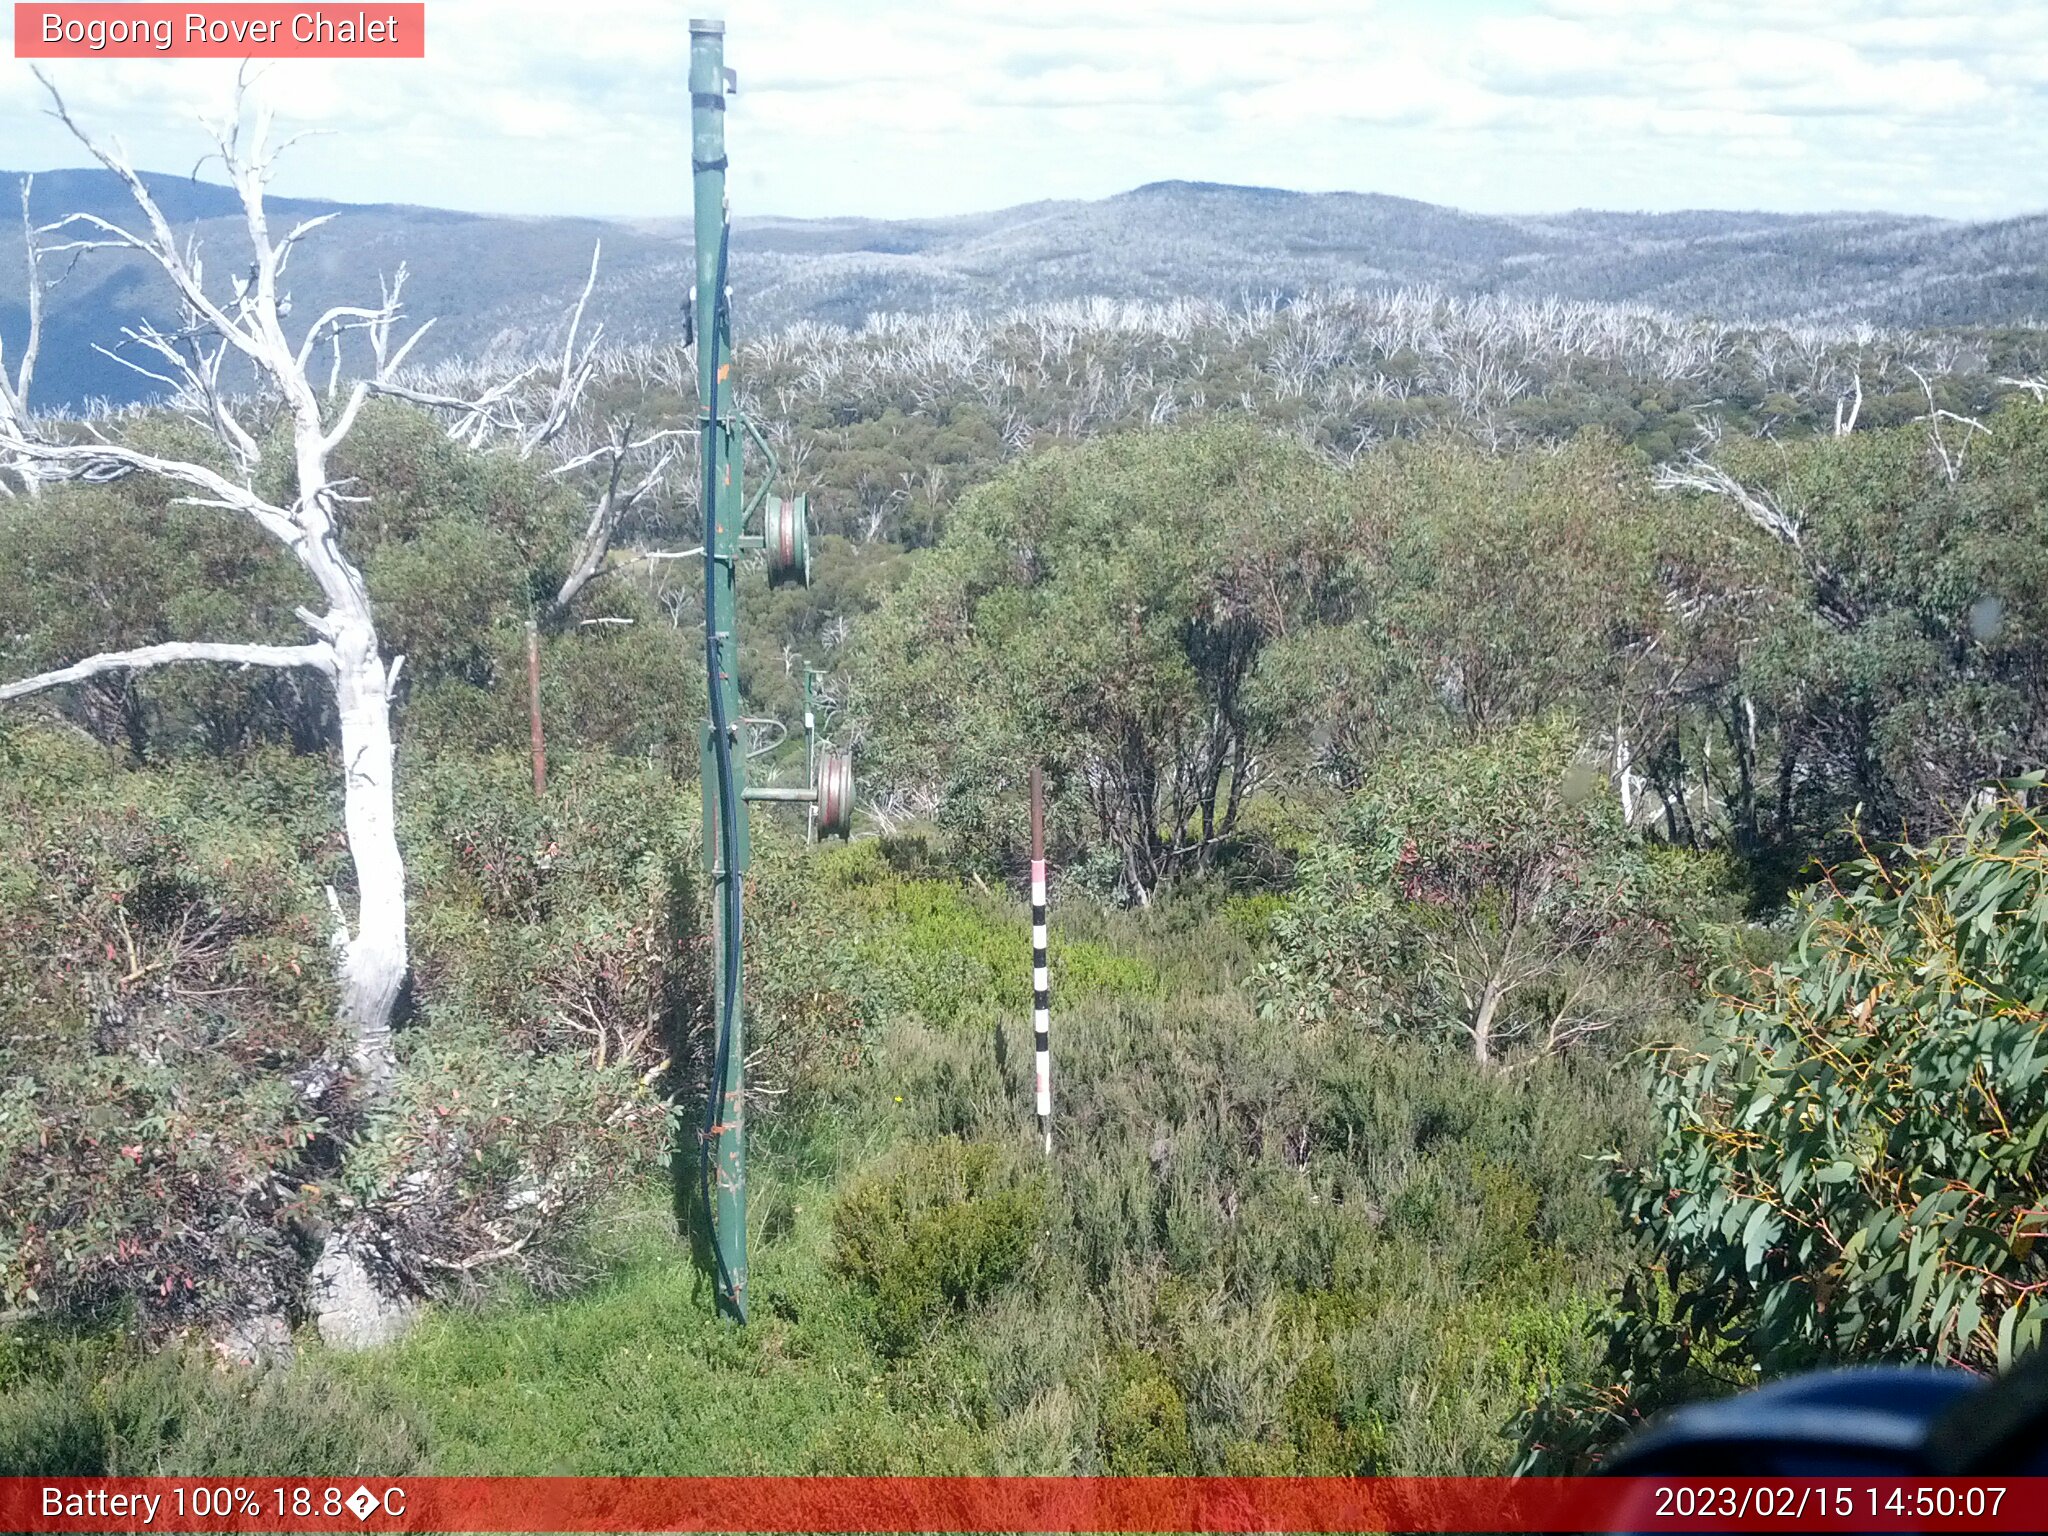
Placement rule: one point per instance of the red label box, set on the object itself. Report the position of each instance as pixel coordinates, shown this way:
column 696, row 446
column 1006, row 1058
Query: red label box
column 261, row 30
column 983, row 1506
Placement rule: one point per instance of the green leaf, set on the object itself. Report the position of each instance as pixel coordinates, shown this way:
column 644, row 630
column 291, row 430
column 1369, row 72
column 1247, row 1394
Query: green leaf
column 1757, row 1235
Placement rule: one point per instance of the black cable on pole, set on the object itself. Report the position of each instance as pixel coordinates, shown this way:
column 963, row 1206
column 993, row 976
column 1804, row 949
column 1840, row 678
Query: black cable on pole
column 717, row 333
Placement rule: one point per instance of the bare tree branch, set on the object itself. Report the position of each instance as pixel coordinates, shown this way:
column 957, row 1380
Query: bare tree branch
column 317, row 656
column 575, row 370
column 1951, row 462
column 96, row 463
column 615, row 503
column 477, row 419
column 503, row 410
column 1695, row 472
column 161, row 245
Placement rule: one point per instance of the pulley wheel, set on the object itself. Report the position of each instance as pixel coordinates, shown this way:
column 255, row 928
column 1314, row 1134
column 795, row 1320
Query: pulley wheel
column 835, row 795
column 787, row 535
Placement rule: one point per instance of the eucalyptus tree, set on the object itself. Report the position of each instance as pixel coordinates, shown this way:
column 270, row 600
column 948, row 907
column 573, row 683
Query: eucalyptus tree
column 1102, row 610
column 1487, row 891
column 1881, row 603
column 1846, row 1163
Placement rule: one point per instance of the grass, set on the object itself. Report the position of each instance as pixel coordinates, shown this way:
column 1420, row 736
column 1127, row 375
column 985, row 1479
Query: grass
column 635, row 1375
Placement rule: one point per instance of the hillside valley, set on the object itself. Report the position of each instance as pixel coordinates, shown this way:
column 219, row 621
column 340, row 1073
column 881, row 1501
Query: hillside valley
column 497, row 285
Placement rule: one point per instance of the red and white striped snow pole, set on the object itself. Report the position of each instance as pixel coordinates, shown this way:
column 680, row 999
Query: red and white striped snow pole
column 1041, row 990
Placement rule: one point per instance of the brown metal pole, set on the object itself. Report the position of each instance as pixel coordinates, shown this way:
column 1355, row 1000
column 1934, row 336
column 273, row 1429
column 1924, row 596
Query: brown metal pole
column 540, row 746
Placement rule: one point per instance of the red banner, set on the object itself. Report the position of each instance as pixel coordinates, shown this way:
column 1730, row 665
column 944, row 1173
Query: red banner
column 221, row 31
column 1022, row 1504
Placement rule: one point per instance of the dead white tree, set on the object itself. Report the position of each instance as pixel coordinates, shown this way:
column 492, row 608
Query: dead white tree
column 618, row 498
column 1697, row 473
column 1951, row 458
column 245, row 328
column 1849, row 407
column 14, row 392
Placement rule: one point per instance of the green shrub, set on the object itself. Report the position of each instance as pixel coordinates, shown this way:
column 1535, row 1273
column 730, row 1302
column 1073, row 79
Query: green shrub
column 938, row 1228
column 1327, row 1438
column 163, row 978
column 925, row 947
column 1143, row 1431
column 564, row 923
column 88, row 1407
column 489, row 1160
column 554, row 972
column 1848, row 1166
column 168, row 1153
column 1489, row 893
column 813, row 1001
column 1251, row 917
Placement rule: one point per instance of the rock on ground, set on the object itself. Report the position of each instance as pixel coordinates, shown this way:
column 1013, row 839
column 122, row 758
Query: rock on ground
column 349, row 1307
column 265, row 1339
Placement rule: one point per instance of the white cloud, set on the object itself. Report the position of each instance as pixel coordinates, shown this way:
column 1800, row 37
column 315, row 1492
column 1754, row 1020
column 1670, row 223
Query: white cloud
column 891, row 107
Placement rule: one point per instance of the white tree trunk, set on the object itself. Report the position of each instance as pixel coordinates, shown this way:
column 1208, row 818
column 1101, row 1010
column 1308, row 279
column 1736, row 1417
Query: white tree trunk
column 1624, row 772
column 374, row 958
column 1481, row 1028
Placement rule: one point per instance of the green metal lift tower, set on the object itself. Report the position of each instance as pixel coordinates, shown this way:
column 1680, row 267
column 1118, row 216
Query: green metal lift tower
column 785, row 540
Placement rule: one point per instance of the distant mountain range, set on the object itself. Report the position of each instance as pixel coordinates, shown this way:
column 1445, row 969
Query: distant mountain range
column 500, row 285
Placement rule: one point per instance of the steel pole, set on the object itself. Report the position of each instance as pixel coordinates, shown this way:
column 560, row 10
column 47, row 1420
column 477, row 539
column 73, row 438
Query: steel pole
column 724, row 767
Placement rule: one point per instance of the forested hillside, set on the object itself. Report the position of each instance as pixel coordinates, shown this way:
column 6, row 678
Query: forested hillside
column 486, row 278
column 1494, row 745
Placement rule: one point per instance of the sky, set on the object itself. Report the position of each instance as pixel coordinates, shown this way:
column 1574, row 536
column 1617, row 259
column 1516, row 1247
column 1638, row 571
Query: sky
column 906, row 108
